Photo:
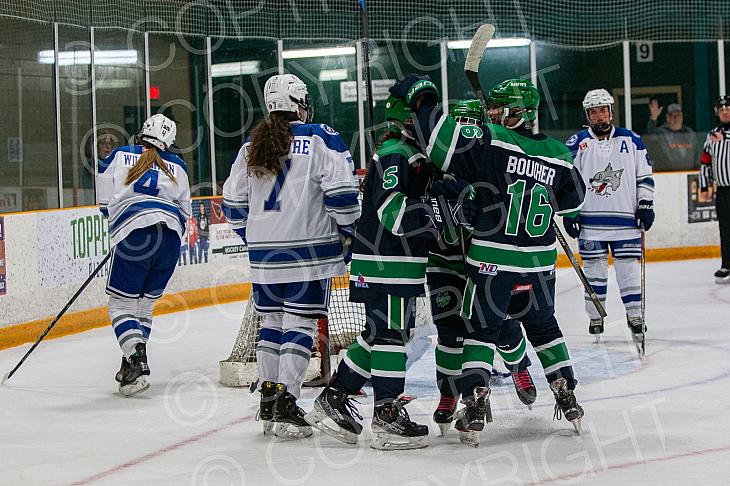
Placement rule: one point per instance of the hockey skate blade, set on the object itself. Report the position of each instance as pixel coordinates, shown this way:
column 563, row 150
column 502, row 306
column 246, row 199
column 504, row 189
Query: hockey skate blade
column 722, row 280
column 316, row 418
column 444, row 428
column 140, row 385
column 268, row 427
column 469, row 437
column 384, row 441
column 576, row 425
column 286, row 431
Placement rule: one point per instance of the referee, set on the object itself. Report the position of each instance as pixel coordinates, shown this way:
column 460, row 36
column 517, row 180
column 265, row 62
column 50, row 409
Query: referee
column 715, row 165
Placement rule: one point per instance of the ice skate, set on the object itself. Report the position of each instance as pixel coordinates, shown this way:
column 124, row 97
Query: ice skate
column 595, row 327
column 123, row 370
column 444, row 414
column 722, row 276
column 267, row 406
column 565, row 403
column 393, row 428
column 335, row 405
column 638, row 330
column 525, row 387
column 289, row 420
column 136, row 380
column 470, row 420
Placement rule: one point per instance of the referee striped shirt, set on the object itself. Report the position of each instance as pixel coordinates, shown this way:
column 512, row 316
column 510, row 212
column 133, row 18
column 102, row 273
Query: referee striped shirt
column 715, row 161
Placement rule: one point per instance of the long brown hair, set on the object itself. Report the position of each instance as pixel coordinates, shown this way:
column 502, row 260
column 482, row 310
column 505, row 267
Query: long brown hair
column 145, row 162
column 270, row 142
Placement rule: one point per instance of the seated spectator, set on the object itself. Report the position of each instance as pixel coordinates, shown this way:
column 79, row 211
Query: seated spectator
column 673, row 145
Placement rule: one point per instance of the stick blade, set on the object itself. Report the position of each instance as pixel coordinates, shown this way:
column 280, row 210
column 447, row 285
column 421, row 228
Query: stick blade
column 478, row 44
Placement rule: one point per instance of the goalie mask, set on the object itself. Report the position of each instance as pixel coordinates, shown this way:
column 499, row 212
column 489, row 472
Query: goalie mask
column 593, row 99
column 287, row 93
column 158, row 130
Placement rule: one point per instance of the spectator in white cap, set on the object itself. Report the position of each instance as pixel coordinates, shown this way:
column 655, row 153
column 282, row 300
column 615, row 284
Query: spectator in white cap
column 673, row 145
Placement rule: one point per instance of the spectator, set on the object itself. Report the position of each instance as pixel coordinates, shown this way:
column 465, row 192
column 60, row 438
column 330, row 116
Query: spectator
column 193, row 239
column 203, row 234
column 673, row 145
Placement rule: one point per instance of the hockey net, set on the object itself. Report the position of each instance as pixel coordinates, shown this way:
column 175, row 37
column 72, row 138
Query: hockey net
column 336, row 332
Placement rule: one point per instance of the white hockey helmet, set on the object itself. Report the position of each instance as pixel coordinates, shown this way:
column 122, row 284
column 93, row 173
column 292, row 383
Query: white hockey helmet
column 158, row 130
column 288, row 93
column 597, row 97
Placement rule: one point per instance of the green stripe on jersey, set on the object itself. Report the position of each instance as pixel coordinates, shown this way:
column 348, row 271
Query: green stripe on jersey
column 440, row 146
column 483, row 251
column 391, row 212
column 438, row 261
column 549, row 148
column 468, row 303
column 377, row 267
column 395, row 312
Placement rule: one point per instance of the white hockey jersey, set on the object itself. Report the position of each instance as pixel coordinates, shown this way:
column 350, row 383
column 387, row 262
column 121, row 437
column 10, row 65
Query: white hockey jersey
column 291, row 221
column 151, row 199
column 617, row 173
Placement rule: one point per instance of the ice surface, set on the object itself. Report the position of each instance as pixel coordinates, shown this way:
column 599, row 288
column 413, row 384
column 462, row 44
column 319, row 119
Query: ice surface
column 663, row 420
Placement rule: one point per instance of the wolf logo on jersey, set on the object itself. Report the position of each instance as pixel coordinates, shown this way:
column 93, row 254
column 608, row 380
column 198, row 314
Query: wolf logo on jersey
column 604, row 179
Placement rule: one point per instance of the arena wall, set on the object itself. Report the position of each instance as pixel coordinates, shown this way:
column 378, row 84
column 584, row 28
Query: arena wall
column 48, row 255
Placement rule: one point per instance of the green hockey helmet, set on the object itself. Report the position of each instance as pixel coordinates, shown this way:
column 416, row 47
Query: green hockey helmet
column 468, row 112
column 515, row 93
column 397, row 114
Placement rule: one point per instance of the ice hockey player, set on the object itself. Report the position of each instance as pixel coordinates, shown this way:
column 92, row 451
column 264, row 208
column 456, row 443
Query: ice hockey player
column 715, row 167
column 291, row 194
column 619, row 200
column 521, row 179
column 390, row 253
column 446, row 276
column 144, row 191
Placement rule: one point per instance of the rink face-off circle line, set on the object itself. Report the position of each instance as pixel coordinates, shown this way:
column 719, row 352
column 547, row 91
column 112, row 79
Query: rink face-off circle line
column 159, row 452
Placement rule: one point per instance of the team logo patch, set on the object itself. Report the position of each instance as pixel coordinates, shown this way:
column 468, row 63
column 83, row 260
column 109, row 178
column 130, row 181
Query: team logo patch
column 604, row 180
column 443, row 299
column 471, row 131
column 360, row 283
column 329, row 129
column 488, row 268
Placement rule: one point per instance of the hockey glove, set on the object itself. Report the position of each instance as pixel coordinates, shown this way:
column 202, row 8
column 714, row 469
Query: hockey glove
column 347, row 234
column 414, row 87
column 572, row 226
column 645, row 214
column 447, row 216
column 449, row 187
column 242, row 233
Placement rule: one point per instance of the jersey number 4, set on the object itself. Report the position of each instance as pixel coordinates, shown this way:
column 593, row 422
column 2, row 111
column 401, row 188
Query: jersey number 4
column 147, row 184
column 539, row 213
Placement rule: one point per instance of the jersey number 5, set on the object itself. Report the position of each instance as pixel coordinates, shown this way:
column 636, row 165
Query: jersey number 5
column 539, row 214
column 390, row 177
column 147, row 184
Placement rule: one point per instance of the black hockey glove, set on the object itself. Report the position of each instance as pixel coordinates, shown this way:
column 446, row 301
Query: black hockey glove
column 572, row 226
column 347, row 234
column 414, row 87
column 645, row 214
column 449, row 187
column 449, row 215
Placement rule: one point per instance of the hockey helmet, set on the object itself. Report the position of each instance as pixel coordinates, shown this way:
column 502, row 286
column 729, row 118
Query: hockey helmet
column 398, row 115
column 158, row 130
column 468, row 112
column 515, row 93
column 722, row 101
column 595, row 98
column 287, row 93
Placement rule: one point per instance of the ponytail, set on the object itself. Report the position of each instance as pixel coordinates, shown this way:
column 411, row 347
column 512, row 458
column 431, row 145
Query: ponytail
column 146, row 161
column 270, row 143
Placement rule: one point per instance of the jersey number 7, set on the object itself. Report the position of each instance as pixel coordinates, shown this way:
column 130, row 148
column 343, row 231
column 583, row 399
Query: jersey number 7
column 273, row 203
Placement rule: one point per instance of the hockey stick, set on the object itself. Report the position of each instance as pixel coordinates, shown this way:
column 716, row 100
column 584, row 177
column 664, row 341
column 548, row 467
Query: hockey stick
column 642, row 345
column 366, row 64
column 60, row 314
column 471, row 68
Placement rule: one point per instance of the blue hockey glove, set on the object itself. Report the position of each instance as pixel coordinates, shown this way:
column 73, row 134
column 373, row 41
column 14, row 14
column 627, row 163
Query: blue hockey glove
column 347, row 234
column 242, row 233
column 413, row 87
column 645, row 214
column 572, row 226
